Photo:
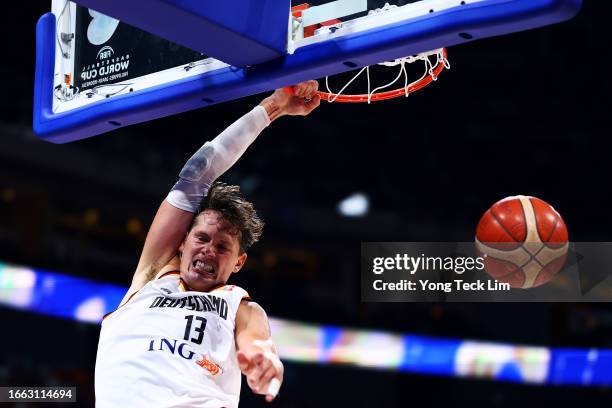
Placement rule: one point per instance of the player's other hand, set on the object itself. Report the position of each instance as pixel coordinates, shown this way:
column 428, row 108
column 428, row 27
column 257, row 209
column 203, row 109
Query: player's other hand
column 299, row 101
column 264, row 372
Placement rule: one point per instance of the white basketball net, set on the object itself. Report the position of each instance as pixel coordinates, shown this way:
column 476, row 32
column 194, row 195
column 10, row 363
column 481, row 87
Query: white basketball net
column 431, row 60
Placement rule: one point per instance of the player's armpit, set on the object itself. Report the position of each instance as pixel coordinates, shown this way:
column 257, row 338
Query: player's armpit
column 176, row 212
column 166, row 234
column 141, row 279
column 257, row 355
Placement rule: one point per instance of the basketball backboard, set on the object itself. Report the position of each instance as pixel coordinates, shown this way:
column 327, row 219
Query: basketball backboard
column 95, row 74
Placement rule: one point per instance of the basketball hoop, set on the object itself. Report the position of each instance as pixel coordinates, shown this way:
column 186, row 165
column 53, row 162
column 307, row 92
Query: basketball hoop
column 435, row 62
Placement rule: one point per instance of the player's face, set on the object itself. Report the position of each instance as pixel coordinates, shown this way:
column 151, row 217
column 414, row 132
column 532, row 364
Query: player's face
column 210, row 253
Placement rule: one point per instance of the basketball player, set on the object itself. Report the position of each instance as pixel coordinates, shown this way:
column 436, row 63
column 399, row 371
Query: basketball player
column 181, row 336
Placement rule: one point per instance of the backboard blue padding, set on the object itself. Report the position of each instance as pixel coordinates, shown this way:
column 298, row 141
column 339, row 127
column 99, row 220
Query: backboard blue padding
column 237, row 32
column 480, row 20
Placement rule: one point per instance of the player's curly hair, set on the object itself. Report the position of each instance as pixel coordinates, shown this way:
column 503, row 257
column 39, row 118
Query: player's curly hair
column 235, row 209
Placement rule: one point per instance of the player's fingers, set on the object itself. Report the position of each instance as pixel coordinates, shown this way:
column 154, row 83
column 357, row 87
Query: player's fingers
column 311, row 89
column 264, row 374
column 316, row 101
column 299, row 90
column 265, row 378
column 312, row 104
column 308, row 94
column 253, row 380
column 258, row 366
column 306, row 89
column 261, row 388
column 273, row 389
column 257, row 358
column 243, row 361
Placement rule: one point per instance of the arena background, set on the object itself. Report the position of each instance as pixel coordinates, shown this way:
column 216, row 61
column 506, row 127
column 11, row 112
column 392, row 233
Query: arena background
column 522, row 114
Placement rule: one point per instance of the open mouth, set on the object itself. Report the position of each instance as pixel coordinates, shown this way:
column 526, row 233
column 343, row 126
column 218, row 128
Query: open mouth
column 202, row 267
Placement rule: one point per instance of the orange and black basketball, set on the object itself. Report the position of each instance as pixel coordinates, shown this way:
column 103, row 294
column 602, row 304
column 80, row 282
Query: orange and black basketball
column 524, row 241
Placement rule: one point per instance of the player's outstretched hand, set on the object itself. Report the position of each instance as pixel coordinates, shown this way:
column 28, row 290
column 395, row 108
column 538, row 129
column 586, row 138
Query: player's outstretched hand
column 300, row 102
column 264, row 372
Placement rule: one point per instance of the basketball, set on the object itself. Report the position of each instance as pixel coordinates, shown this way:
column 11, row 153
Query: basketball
column 523, row 240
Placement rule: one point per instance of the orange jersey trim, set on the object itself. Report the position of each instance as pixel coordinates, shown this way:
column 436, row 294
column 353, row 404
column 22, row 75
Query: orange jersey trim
column 168, row 273
column 183, row 286
column 219, row 286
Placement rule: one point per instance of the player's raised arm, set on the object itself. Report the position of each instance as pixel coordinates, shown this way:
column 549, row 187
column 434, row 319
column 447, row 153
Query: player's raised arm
column 176, row 212
column 257, row 355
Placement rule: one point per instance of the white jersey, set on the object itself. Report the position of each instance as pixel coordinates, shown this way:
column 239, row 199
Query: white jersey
column 170, row 347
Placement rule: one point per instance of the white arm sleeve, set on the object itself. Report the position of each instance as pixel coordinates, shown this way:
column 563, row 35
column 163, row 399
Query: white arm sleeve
column 215, row 158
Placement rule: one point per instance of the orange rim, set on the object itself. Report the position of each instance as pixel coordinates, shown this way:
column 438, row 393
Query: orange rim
column 395, row 93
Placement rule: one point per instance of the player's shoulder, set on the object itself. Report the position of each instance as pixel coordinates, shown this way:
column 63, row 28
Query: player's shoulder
column 250, row 312
column 228, row 288
column 233, row 292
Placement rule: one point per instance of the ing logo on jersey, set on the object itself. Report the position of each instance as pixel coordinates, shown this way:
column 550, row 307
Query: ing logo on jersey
column 184, row 351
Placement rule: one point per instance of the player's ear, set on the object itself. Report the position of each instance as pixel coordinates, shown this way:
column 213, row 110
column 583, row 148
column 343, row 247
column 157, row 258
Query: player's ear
column 241, row 260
